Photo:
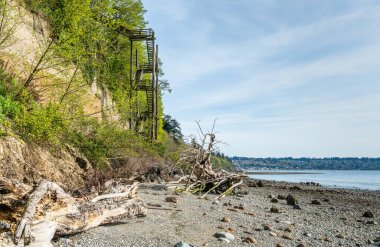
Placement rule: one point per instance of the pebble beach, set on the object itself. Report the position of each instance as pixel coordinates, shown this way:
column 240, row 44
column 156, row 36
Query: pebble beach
column 261, row 213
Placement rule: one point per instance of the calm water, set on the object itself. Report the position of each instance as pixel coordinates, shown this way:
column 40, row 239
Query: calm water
column 332, row 178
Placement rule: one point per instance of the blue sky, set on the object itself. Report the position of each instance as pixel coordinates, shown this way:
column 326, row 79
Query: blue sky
column 283, row 78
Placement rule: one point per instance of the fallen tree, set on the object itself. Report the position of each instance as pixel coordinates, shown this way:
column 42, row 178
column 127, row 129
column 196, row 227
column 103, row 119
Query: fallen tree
column 50, row 211
column 203, row 179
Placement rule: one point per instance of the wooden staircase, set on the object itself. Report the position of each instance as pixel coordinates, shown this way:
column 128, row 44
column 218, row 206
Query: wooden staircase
column 149, row 67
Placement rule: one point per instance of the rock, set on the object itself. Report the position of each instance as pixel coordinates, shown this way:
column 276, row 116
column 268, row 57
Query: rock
column 268, row 227
column 274, row 210
column 287, row 236
column 371, row 222
column 287, row 222
column 182, row 244
column 260, row 183
column 232, row 209
column 296, row 206
column 249, row 240
column 291, row 200
column 339, row 235
column 251, row 183
column 231, row 230
column 343, row 218
column 224, row 240
column 368, row 214
column 4, row 226
column 288, row 229
column 221, row 227
column 327, row 239
column 242, row 192
column 295, row 187
column 229, row 204
column 172, row 199
column 271, row 196
column 306, row 234
column 274, row 200
column 226, row 219
column 281, row 197
column 273, row 234
column 280, row 245
column 301, row 245
column 215, row 202
column 241, row 207
column 250, row 213
column 225, row 235
column 316, row 202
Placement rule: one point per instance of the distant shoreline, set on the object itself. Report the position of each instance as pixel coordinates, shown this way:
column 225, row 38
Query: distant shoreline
column 280, row 173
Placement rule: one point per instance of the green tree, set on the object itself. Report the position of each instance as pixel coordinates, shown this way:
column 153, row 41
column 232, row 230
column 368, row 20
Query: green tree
column 172, row 127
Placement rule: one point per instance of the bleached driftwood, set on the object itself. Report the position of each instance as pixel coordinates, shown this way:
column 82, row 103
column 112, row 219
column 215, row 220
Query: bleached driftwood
column 50, row 211
column 202, row 177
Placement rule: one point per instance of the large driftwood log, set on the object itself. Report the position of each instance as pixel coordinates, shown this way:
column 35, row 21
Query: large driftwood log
column 50, row 211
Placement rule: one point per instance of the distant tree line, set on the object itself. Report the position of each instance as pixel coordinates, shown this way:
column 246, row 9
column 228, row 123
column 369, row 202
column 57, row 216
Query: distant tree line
column 290, row 163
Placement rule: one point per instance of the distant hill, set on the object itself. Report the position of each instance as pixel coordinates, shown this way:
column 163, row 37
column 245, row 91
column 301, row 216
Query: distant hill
column 289, row 163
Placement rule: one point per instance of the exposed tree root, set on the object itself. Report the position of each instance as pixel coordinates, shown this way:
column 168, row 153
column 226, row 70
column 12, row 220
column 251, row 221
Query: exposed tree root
column 203, row 179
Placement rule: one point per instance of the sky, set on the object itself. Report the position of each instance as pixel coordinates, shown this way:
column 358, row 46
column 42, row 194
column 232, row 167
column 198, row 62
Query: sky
column 281, row 77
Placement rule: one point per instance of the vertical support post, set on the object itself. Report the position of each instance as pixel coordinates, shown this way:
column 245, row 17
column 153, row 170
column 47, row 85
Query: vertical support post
column 153, row 84
column 137, row 93
column 156, row 92
column 130, row 85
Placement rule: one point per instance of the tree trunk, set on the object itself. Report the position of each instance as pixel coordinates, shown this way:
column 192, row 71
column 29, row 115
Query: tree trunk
column 50, row 211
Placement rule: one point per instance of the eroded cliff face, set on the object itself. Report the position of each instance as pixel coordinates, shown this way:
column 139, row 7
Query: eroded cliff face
column 30, row 163
column 29, row 40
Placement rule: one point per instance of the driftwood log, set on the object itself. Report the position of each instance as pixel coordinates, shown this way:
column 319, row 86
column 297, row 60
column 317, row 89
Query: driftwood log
column 202, row 178
column 50, row 211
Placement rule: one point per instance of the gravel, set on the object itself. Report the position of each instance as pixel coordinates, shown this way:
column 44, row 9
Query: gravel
column 195, row 221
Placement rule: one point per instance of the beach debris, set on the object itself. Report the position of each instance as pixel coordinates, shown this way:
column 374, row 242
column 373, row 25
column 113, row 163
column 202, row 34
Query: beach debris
column 316, row 202
column 202, row 178
column 47, row 210
column 291, row 200
column 368, row 214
